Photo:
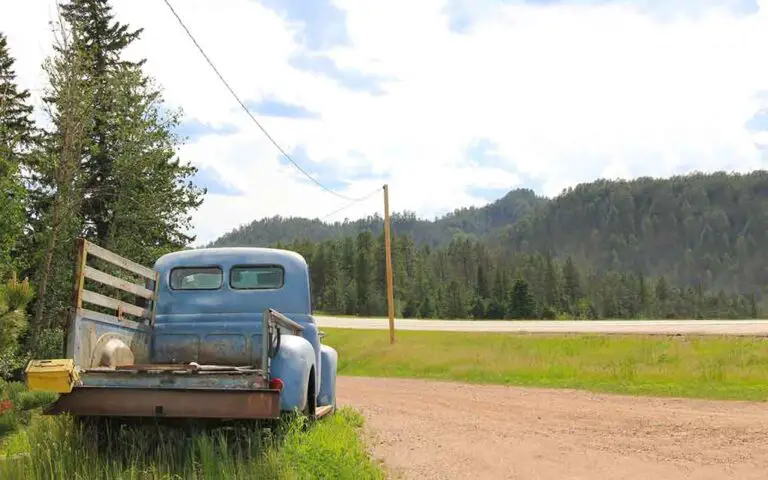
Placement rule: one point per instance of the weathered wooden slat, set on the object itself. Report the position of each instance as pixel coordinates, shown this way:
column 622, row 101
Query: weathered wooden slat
column 104, row 301
column 112, row 320
column 116, row 259
column 155, row 296
column 80, row 276
column 113, row 281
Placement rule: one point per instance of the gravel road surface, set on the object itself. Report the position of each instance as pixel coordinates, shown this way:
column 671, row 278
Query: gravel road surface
column 663, row 327
column 441, row 430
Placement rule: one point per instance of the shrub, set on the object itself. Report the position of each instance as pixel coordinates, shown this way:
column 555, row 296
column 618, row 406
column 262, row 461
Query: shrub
column 14, row 297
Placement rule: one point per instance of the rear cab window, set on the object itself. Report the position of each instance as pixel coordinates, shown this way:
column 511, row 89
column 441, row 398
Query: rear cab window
column 196, row 278
column 257, row 277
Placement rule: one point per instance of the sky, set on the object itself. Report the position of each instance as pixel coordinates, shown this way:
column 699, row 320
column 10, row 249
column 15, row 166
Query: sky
column 451, row 103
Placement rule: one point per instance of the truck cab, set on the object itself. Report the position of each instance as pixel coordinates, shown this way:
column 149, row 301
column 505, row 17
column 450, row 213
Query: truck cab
column 216, row 333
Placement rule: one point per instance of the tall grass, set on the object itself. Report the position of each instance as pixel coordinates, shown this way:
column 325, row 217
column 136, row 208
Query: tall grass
column 703, row 366
column 60, row 447
column 24, row 404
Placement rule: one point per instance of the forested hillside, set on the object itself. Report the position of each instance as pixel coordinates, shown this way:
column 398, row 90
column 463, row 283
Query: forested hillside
column 699, row 230
column 476, row 222
column 104, row 167
column 688, row 246
column 466, row 279
column 694, row 229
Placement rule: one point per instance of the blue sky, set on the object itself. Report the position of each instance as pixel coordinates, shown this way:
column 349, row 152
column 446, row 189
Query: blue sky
column 210, row 179
column 451, row 102
column 322, row 24
column 270, row 107
column 193, row 129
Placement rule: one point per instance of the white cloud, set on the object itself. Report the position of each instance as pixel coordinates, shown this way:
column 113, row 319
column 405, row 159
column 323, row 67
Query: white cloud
column 567, row 94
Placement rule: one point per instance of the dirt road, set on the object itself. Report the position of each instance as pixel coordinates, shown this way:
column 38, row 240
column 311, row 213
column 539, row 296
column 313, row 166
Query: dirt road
column 424, row 429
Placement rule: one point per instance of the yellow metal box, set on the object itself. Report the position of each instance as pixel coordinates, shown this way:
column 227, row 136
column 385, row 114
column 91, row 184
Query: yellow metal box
column 57, row 375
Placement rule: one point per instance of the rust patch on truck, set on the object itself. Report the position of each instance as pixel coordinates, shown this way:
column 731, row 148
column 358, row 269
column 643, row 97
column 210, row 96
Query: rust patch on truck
column 224, row 349
column 142, row 402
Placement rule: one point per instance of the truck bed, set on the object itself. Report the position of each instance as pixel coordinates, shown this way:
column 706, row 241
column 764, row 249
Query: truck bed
column 185, row 376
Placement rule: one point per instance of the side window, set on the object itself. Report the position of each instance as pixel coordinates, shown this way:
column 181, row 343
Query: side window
column 196, row 278
column 257, row 277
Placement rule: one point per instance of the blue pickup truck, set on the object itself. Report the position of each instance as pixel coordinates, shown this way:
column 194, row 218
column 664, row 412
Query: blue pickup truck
column 218, row 333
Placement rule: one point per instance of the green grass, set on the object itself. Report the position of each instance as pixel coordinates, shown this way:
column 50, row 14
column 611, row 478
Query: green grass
column 33, row 446
column 24, row 405
column 59, row 447
column 702, row 367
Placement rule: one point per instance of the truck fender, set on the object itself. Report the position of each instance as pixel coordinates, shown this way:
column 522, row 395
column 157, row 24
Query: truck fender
column 292, row 364
column 329, row 359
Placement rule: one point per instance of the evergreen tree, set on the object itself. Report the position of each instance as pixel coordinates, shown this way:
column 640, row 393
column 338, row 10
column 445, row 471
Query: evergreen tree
column 427, row 307
column 108, row 170
column 497, row 308
column 136, row 195
column 571, row 284
column 56, row 178
column 364, row 273
column 482, row 283
column 478, row 308
column 455, row 301
column 17, row 135
column 522, row 303
column 643, row 295
column 662, row 297
column 551, row 283
column 102, row 41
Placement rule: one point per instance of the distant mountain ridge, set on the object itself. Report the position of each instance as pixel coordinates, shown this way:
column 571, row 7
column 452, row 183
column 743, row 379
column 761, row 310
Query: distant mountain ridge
column 696, row 229
column 476, row 222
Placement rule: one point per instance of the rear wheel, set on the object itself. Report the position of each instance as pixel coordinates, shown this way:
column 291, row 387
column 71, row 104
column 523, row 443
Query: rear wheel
column 311, row 408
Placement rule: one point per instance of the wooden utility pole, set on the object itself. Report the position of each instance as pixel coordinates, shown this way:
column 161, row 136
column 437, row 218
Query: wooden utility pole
column 388, row 254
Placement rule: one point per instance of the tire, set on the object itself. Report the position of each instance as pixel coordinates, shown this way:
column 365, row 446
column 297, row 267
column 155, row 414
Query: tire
column 310, row 409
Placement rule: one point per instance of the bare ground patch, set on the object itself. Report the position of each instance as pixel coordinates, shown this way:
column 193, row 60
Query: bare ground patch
column 429, row 429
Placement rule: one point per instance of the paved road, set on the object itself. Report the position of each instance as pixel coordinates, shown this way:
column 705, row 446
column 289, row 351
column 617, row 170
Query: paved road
column 660, row 327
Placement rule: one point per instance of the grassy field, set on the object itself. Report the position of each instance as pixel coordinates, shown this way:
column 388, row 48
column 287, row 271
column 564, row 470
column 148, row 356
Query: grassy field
column 703, row 367
column 45, row 447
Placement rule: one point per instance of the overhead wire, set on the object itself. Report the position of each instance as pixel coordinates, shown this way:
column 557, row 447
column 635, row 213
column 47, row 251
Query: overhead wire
column 248, row 112
column 366, row 197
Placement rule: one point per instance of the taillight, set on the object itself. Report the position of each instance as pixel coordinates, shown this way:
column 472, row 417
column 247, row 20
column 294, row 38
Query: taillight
column 276, row 384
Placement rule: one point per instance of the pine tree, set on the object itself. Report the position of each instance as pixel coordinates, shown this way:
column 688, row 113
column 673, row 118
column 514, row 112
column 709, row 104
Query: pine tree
column 662, row 296
column 102, row 41
column 478, row 308
column 571, row 284
column 137, row 195
column 551, row 283
column 482, row 283
column 351, row 304
column 332, row 299
column 364, row 273
column 455, row 300
column 56, row 179
column 427, row 307
column 319, row 273
column 17, row 134
column 497, row 308
column 522, row 303
column 643, row 295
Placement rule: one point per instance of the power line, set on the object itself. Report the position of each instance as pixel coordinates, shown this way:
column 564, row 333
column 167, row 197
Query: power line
column 351, row 203
column 226, row 84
